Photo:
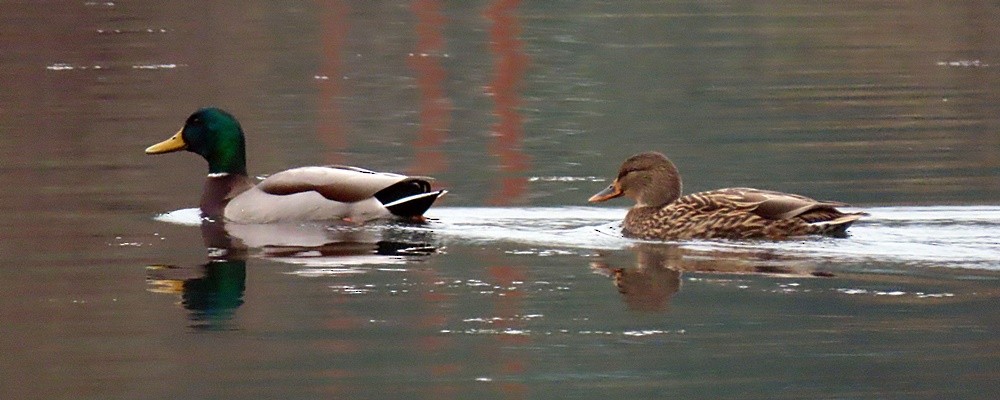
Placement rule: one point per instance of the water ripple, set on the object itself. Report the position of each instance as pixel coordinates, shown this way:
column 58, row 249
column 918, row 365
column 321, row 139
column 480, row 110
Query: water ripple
column 936, row 236
column 933, row 236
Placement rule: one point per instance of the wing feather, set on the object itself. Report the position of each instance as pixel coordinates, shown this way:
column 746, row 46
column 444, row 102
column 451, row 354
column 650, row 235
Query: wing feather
column 338, row 183
column 777, row 205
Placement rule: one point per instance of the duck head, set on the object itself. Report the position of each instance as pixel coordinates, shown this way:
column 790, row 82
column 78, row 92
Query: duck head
column 650, row 179
column 213, row 134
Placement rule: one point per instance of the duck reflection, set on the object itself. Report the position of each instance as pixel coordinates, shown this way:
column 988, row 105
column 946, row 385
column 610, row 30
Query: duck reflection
column 212, row 298
column 213, row 291
column 656, row 278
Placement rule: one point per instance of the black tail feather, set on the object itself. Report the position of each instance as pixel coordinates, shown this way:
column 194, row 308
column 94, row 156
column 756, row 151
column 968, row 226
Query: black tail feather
column 402, row 189
column 414, row 206
column 409, row 198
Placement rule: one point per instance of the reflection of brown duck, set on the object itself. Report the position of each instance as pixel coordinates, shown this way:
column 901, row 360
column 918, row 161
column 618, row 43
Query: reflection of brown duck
column 643, row 289
column 734, row 213
column 657, row 274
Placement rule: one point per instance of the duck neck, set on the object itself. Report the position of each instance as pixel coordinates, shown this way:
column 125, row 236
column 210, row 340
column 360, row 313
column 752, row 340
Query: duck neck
column 228, row 158
column 661, row 192
column 636, row 217
column 219, row 189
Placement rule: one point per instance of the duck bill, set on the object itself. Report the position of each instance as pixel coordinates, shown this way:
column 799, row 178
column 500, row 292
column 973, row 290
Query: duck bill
column 608, row 193
column 175, row 143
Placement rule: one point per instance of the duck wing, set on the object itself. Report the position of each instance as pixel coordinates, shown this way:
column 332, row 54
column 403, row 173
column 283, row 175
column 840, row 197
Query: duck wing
column 777, row 205
column 343, row 183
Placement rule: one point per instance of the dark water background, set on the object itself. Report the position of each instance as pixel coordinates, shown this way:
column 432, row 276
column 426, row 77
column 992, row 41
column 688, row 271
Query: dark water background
column 522, row 110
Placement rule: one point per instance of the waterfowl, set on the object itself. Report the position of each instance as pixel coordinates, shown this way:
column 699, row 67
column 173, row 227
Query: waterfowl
column 661, row 213
column 300, row 194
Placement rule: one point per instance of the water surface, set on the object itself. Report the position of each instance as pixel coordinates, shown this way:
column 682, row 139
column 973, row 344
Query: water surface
column 516, row 288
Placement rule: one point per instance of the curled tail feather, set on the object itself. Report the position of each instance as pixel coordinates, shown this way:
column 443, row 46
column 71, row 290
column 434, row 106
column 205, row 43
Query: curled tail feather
column 837, row 226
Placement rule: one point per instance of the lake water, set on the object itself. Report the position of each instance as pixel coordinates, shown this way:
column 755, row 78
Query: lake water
column 516, row 288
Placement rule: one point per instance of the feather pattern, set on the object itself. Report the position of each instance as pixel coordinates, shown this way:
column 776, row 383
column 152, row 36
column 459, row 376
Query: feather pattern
column 734, row 214
column 731, row 213
column 298, row 194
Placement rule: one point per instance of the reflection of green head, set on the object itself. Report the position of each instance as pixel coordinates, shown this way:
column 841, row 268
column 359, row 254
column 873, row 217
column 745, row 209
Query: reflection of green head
column 219, row 293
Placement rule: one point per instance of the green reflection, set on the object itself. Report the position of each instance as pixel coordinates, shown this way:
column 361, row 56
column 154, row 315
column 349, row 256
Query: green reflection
column 214, row 297
column 217, row 290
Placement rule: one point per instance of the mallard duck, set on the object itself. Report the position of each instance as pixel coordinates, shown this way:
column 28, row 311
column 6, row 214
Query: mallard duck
column 661, row 213
column 299, row 194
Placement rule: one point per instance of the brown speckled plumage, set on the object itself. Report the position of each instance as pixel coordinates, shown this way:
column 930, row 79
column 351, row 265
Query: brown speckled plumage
column 733, row 213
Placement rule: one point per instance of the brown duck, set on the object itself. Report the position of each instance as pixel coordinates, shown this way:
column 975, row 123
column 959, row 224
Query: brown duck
column 660, row 212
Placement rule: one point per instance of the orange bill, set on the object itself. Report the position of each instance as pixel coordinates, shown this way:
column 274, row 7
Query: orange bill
column 613, row 190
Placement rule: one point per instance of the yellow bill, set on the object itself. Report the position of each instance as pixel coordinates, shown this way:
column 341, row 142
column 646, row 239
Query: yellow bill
column 175, row 143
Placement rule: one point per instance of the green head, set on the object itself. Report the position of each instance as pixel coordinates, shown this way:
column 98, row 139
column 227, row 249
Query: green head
column 213, row 134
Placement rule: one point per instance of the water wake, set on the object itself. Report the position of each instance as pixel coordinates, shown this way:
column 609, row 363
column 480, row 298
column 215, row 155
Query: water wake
column 939, row 236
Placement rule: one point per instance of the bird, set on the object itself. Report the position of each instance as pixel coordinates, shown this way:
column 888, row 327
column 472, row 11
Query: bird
column 310, row 193
column 662, row 213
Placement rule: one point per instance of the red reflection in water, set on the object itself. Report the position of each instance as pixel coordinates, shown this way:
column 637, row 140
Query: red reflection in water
column 508, row 305
column 511, row 62
column 435, row 118
column 435, row 107
column 340, row 346
column 330, row 122
column 508, row 308
column 431, row 318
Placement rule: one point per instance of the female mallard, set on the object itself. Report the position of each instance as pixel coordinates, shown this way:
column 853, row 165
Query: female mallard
column 294, row 195
column 734, row 213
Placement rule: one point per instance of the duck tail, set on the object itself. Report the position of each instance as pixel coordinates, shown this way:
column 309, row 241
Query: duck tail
column 415, row 205
column 838, row 226
column 408, row 198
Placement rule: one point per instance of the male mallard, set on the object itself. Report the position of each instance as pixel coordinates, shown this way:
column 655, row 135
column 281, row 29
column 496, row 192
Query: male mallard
column 298, row 194
column 660, row 212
